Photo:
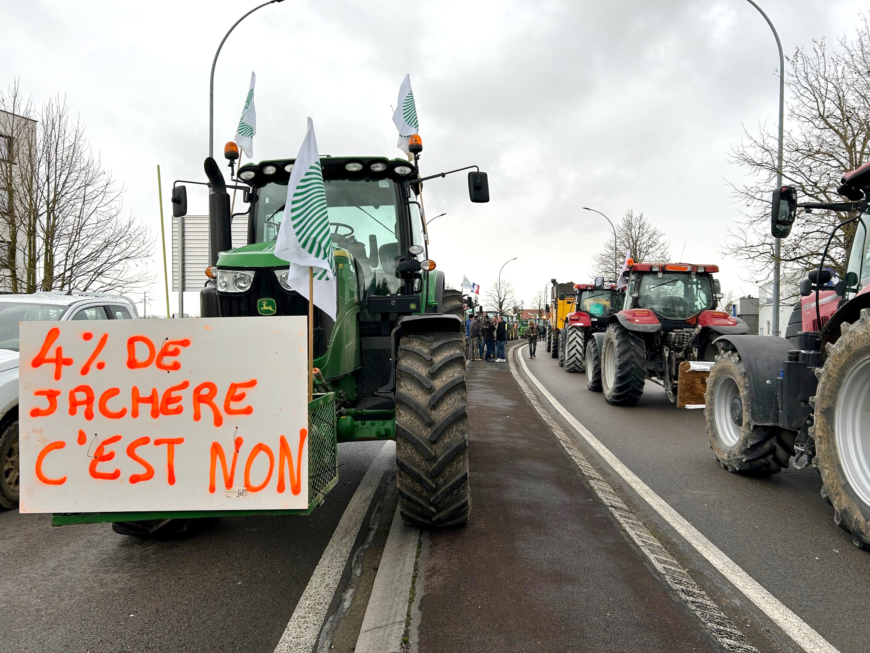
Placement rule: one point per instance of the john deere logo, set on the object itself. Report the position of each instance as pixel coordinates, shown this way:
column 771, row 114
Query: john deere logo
column 267, row 307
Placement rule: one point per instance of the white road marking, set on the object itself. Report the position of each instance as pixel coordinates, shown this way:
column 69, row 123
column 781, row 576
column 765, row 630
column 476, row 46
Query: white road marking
column 304, row 627
column 796, row 628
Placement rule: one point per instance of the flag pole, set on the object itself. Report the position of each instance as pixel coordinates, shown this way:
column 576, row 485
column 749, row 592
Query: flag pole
column 310, row 333
column 163, row 236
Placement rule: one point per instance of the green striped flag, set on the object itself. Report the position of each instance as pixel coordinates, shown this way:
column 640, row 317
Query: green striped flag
column 405, row 115
column 247, row 123
column 304, row 235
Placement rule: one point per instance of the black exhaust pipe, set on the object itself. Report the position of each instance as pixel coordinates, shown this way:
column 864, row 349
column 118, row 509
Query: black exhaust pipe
column 220, row 235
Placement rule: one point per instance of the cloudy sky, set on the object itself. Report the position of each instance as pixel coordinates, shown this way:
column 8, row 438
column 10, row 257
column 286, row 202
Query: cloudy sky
column 613, row 104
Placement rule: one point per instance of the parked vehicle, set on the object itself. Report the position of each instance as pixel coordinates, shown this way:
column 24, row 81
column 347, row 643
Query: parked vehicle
column 806, row 395
column 42, row 306
column 561, row 304
column 665, row 332
column 581, row 338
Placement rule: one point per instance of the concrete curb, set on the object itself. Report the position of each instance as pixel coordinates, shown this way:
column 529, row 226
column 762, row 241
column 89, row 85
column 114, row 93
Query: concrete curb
column 384, row 621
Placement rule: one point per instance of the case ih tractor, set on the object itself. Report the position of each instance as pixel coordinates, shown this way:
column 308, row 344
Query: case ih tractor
column 594, row 303
column 668, row 324
column 392, row 363
column 806, row 395
column 561, row 303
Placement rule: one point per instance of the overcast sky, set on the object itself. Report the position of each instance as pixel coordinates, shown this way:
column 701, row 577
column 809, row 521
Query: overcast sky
column 613, row 104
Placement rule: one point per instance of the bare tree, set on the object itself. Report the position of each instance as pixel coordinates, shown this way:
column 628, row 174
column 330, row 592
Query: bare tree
column 63, row 223
column 538, row 302
column 637, row 236
column 828, row 120
column 501, row 296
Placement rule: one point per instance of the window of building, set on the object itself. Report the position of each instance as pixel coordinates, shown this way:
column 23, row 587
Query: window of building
column 4, row 147
column 4, row 200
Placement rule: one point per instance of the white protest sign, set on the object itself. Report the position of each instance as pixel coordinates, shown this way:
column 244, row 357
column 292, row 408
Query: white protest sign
column 164, row 415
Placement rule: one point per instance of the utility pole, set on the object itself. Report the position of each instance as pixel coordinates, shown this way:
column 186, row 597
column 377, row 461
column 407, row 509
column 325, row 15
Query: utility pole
column 777, row 256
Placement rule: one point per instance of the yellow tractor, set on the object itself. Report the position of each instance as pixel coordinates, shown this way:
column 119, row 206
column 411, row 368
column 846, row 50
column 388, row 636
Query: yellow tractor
column 562, row 296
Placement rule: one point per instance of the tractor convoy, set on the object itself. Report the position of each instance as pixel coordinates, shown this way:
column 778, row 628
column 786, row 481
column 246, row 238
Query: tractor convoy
column 766, row 399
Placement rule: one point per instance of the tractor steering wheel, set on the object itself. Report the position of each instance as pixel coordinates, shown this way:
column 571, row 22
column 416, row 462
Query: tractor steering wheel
column 339, row 225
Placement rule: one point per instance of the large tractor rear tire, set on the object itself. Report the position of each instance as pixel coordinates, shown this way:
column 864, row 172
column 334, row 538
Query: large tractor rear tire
column 562, row 347
column 432, row 431
column 549, row 339
column 593, row 362
column 554, row 344
column 453, row 304
column 574, row 350
column 739, row 446
column 623, row 366
column 842, row 429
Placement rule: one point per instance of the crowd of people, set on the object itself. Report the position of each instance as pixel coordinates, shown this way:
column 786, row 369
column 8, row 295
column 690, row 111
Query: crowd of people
column 486, row 338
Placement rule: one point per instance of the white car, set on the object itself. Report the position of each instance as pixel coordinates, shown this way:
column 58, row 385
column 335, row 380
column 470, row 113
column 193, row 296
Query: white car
column 43, row 306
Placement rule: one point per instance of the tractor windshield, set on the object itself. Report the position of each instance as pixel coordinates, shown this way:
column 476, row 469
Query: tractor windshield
column 676, row 296
column 597, row 302
column 859, row 258
column 363, row 217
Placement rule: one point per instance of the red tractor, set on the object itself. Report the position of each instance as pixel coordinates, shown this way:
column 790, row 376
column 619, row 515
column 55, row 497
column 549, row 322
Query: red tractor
column 665, row 332
column 594, row 304
column 806, row 395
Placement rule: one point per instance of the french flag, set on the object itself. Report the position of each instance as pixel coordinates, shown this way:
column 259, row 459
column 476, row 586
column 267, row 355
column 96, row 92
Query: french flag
column 475, row 289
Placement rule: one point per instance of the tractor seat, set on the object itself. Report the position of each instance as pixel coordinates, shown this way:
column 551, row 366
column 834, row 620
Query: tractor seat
column 358, row 250
column 384, row 280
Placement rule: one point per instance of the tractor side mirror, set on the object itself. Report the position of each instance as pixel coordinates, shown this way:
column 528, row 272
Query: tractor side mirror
column 783, row 211
column 478, row 187
column 179, row 201
column 599, row 283
column 851, row 279
column 717, row 287
column 806, row 287
column 820, row 280
column 561, row 296
column 547, row 307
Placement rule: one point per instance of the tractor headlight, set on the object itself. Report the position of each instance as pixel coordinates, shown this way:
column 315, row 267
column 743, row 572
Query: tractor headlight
column 403, row 170
column 247, row 175
column 378, row 166
column 269, row 170
column 282, row 278
column 234, row 280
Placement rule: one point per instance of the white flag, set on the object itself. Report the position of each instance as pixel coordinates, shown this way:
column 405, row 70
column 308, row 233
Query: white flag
column 247, row 123
column 303, row 237
column 466, row 284
column 623, row 277
column 405, row 115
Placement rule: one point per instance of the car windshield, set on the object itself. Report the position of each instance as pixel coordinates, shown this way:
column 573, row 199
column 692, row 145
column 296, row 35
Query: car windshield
column 859, row 258
column 363, row 218
column 675, row 295
column 596, row 302
column 11, row 313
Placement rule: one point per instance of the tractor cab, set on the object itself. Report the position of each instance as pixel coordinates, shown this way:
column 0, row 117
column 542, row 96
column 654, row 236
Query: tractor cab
column 673, row 291
column 596, row 300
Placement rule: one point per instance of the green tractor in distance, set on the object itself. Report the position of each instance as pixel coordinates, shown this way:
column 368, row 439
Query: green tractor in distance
column 394, row 357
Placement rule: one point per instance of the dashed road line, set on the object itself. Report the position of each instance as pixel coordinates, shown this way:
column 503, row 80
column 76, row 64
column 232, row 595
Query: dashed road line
column 303, row 629
column 715, row 621
column 713, row 618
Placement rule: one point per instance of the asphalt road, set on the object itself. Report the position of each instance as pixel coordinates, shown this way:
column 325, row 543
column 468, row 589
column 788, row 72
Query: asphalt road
column 778, row 529
column 232, row 585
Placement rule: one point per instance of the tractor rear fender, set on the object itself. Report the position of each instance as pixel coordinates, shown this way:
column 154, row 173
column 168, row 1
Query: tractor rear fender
column 416, row 324
column 849, row 312
column 741, row 328
column 763, row 357
column 644, row 322
column 579, row 319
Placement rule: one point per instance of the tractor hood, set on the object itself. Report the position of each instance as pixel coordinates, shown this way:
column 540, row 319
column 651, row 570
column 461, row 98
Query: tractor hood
column 259, row 255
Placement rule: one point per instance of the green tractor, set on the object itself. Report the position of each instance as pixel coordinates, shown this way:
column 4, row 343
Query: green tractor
column 393, row 360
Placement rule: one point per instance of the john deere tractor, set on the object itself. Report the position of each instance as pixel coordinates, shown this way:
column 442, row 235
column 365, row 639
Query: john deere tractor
column 394, row 357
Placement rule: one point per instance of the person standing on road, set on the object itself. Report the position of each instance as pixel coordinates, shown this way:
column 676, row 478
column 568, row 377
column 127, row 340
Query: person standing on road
column 476, row 342
column 532, row 335
column 489, row 341
column 500, row 339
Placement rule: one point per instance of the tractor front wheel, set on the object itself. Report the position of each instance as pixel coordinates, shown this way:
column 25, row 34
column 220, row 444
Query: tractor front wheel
column 549, row 340
column 453, row 304
column 593, row 362
column 574, row 350
column 432, row 431
column 554, row 344
column 842, row 429
column 739, row 446
column 623, row 366
column 562, row 347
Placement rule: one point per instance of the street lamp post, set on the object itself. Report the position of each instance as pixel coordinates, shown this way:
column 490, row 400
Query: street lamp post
column 777, row 243
column 499, row 280
column 428, row 222
column 615, row 241
column 211, row 78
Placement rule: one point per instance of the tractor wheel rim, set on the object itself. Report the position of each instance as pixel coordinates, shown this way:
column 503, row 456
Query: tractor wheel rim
column 9, row 467
column 726, row 402
column 852, row 425
column 609, row 365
